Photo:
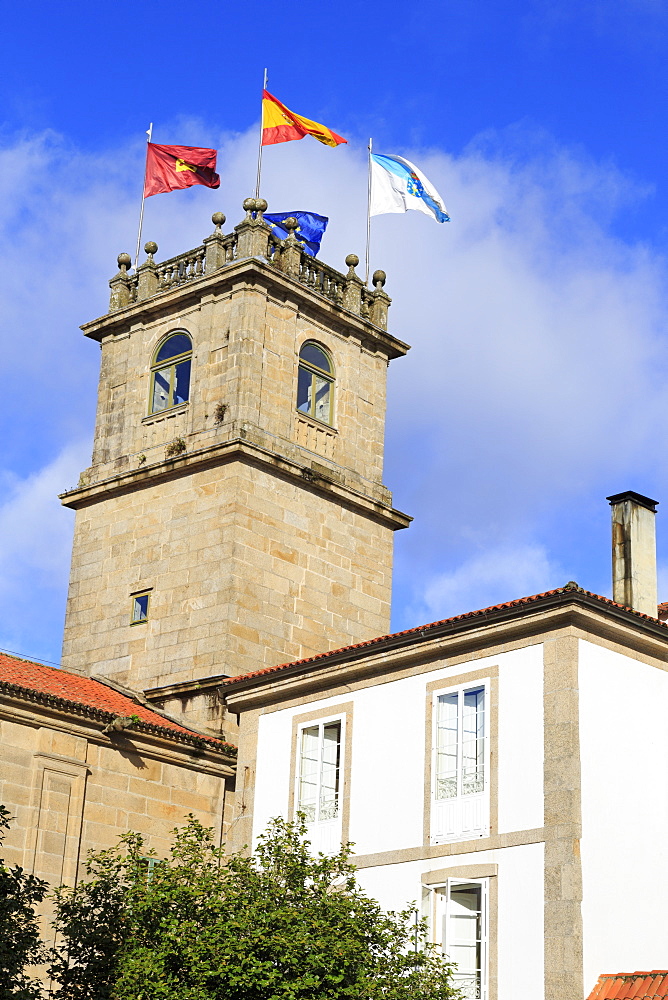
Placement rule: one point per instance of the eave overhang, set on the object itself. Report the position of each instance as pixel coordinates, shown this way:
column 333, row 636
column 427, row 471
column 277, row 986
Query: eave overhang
column 16, row 696
column 252, row 271
column 468, row 634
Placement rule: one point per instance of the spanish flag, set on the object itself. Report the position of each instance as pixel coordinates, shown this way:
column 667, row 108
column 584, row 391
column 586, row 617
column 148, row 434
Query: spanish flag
column 170, row 168
column 282, row 125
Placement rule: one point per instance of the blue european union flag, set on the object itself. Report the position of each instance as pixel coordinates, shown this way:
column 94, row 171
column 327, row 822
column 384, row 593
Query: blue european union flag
column 309, row 232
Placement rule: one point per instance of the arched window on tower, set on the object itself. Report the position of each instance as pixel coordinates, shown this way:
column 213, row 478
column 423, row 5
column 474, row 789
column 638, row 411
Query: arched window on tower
column 315, row 386
column 170, row 372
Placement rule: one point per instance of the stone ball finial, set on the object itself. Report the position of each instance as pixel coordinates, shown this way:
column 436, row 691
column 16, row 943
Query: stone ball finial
column 150, row 248
column 352, row 260
column 379, row 279
column 218, row 219
column 261, row 205
column 290, row 224
column 124, row 261
column 248, row 207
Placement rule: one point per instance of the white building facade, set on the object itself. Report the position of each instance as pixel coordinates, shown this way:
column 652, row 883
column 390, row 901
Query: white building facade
column 504, row 770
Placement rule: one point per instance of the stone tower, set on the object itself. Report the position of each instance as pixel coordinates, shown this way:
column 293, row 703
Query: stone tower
column 233, row 516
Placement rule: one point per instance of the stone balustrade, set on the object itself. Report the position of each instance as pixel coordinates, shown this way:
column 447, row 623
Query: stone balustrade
column 251, row 238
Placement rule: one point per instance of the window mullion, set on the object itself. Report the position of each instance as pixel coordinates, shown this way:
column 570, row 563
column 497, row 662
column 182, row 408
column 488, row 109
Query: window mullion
column 460, row 742
column 172, row 384
column 321, row 751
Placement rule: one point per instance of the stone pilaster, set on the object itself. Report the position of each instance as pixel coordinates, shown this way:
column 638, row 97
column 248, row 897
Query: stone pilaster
column 147, row 274
column 121, row 293
column 253, row 233
column 215, row 246
column 563, row 821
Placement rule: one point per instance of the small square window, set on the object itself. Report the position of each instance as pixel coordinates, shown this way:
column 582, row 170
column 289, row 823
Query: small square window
column 139, row 608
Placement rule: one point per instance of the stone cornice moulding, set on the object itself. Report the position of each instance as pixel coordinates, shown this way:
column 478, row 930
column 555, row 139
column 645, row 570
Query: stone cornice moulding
column 385, row 660
column 13, row 709
column 424, row 852
column 221, row 454
column 231, row 274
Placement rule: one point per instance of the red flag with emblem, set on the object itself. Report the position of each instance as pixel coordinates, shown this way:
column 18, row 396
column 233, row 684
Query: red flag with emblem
column 170, row 168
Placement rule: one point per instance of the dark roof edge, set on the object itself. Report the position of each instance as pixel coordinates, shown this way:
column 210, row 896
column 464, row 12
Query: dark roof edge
column 452, row 626
column 102, row 715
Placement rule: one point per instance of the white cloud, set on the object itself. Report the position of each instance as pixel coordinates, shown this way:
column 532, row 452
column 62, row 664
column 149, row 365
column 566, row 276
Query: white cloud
column 536, row 385
column 491, row 577
column 35, row 545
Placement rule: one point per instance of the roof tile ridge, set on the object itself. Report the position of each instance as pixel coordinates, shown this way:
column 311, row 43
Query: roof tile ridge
column 140, row 699
column 24, row 659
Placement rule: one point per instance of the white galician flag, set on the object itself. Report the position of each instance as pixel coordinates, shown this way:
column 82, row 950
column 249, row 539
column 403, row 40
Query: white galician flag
column 397, row 185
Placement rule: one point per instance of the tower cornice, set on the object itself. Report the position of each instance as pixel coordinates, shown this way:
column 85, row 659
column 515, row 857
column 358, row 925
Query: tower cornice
column 242, row 274
column 316, row 480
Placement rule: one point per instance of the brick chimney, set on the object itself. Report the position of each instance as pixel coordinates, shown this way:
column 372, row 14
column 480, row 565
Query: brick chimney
column 634, row 552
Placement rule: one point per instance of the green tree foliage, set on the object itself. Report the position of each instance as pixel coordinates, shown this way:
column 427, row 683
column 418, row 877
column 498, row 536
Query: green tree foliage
column 20, row 945
column 279, row 925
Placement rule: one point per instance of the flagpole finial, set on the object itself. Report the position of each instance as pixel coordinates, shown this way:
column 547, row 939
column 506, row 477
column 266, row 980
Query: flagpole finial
column 379, row 279
column 218, row 219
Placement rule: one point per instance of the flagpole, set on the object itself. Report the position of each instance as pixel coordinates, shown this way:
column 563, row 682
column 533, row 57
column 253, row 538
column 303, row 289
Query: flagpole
column 259, row 148
column 368, row 214
column 143, row 198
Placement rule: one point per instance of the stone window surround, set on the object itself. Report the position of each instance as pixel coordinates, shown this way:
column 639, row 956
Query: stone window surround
column 168, row 363
column 434, row 880
column 330, row 377
column 75, row 774
column 344, row 712
column 491, row 675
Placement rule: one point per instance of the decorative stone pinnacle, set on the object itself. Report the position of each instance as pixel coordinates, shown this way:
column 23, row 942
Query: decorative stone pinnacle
column 260, row 206
column 248, row 206
column 379, row 279
column 124, row 261
column 150, row 249
column 218, row 219
column 352, row 260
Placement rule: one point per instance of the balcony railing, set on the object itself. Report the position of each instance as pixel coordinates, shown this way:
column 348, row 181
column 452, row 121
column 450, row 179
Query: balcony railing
column 251, row 238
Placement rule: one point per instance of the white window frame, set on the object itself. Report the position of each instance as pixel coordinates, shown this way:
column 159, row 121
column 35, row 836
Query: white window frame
column 441, row 927
column 325, row 834
column 462, row 817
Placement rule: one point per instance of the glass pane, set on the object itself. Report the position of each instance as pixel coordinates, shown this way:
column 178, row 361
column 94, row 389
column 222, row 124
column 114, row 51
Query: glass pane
column 308, row 773
column 140, row 608
column 473, row 742
column 161, row 390
column 304, row 390
column 181, row 382
column 322, row 395
column 464, row 937
column 329, row 782
column 446, row 746
column 315, row 356
column 173, row 346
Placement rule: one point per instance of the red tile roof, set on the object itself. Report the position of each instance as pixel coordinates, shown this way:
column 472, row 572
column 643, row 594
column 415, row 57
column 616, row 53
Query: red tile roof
column 631, row 986
column 423, row 630
column 83, row 695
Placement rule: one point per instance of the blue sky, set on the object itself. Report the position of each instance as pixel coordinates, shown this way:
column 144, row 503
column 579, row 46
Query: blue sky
column 538, row 379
